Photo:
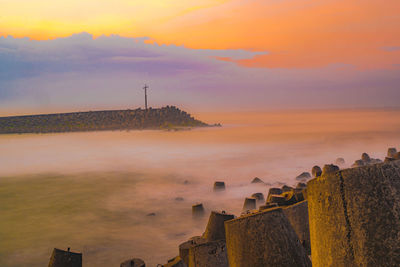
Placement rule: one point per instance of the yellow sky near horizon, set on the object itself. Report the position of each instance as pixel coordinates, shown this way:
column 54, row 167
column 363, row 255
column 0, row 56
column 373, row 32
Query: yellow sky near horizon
column 296, row 33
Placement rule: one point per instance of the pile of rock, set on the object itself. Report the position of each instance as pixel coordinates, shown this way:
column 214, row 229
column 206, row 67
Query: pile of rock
column 365, row 160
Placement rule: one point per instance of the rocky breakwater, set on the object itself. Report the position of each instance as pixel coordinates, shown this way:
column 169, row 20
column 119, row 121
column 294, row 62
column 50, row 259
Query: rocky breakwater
column 354, row 216
column 168, row 117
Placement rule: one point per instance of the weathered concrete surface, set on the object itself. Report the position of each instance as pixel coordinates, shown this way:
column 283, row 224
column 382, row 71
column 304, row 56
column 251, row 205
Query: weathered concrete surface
column 185, row 247
column 208, row 254
column 298, row 218
column 133, row 263
column 215, row 228
column 354, row 216
column 62, row 258
column 264, row 239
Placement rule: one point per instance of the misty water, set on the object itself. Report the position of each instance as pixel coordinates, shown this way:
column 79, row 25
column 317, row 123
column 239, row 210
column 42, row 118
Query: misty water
column 93, row 191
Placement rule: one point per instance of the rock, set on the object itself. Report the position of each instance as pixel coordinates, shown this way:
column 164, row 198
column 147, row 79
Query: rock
column 208, row 254
column 274, row 191
column 301, row 186
column 277, row 199
column 215, row 228
column 264, row 239
column 151, row 214
column 340, row 161
column 258, row 196
column 365, row 157
column 186, row 182
column 198, row 210
column 316, row 171
column 219, row 186
column 185, row 246
column 62, row 258
column 249, row 203
column 358, row 163
column 268, row 206
column 389, row 159
column 257, row 181
column 133, row 263
column 397, row 155
column 303, row 176
column 179, row 199
column 354, row 216
column 391, row 152
column 286, row 188
column 175, row 262
column 298, row 218
column 329, row 168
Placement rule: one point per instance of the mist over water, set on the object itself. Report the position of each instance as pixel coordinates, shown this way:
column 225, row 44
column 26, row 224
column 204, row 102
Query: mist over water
column 92, row 191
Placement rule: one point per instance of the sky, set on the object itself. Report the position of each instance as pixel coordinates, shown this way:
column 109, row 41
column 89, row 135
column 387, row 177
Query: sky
column 200, row 55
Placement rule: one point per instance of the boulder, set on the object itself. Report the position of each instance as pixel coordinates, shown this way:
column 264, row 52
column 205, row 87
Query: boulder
column 391, row 152
column 198, row 210
column 277, row 199
column 301, row 186
column 358, row 163
column 215, row 229
column 258, row 196
column 329, row 168
column 286, row 188
column 316, row 171
column 219, row 186
column 133, row 263
column 274, row 191
column 249, row 204
column 62, row 258
column 354, row 216
column 303, row 176
column 257, row 180
column 340, row 161
column 264, row 239
column 365, row 157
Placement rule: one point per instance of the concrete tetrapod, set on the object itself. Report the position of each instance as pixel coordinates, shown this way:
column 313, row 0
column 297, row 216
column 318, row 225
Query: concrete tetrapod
column 62, row 258
column 354, row 216
column 298, row 218
column 207, row 254
column 215, row 228
column 264, row 239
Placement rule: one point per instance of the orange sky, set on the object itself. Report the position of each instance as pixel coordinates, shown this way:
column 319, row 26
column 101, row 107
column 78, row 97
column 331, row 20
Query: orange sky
column 297, row 33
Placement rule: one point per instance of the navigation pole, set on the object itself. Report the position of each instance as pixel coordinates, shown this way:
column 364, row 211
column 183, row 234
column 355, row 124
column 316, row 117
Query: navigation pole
column 145, row 95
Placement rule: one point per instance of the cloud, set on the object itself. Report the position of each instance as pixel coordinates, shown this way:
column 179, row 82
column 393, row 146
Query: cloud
column 81, row 72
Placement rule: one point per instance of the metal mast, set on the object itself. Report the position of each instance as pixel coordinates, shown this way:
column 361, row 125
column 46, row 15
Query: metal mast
column 145, row 95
